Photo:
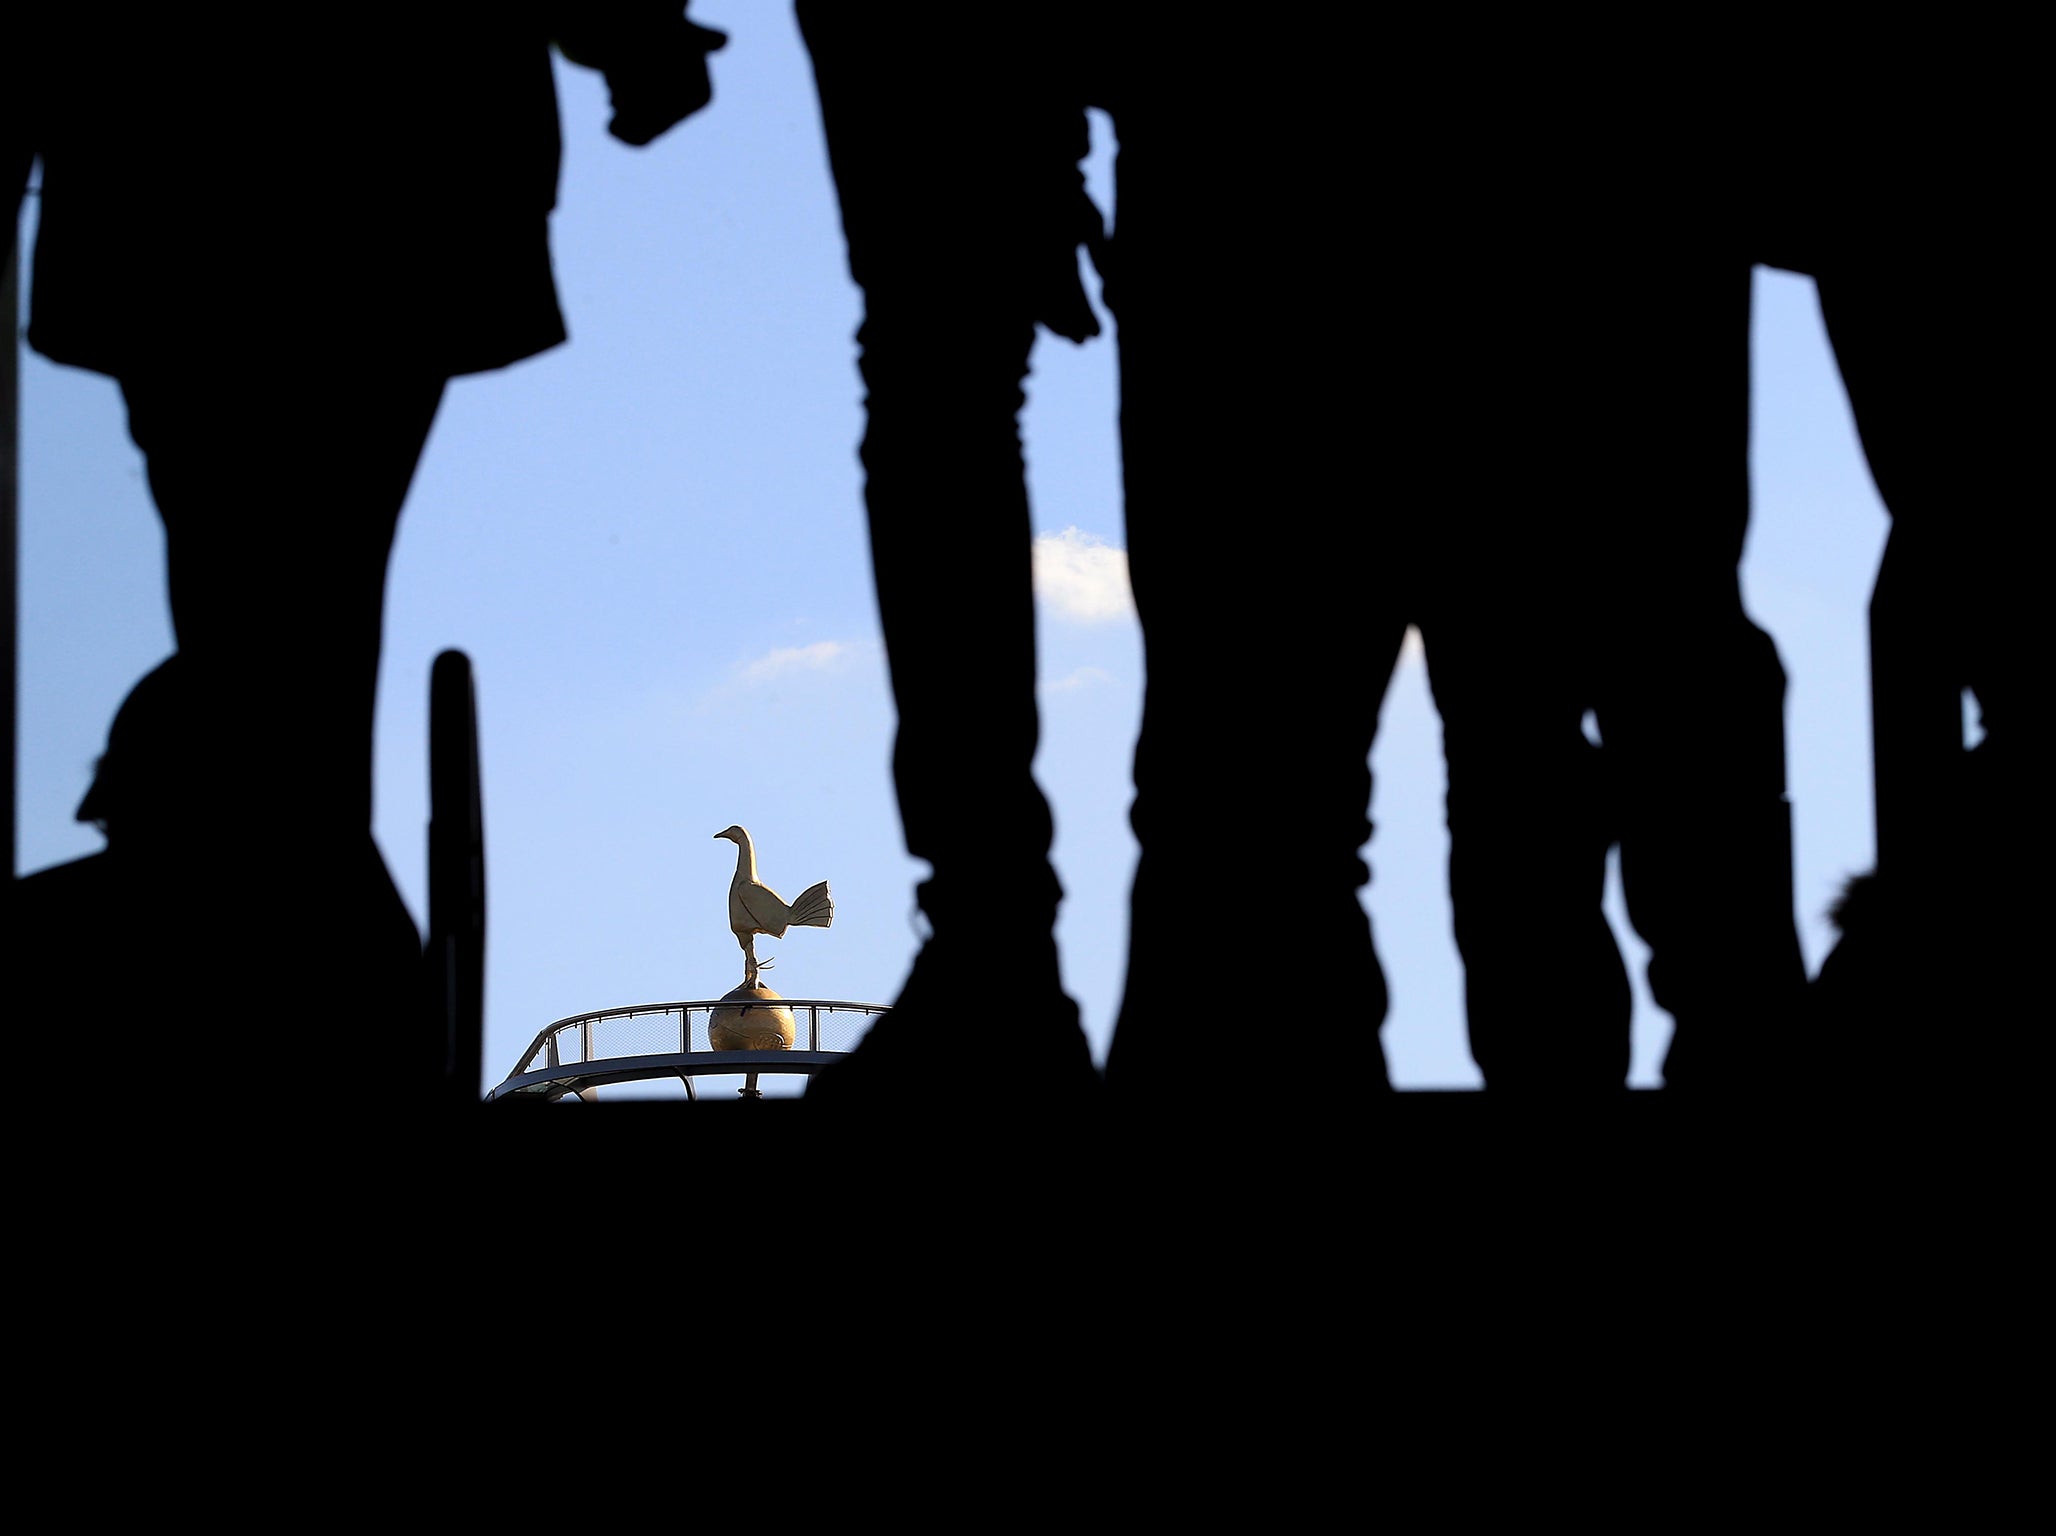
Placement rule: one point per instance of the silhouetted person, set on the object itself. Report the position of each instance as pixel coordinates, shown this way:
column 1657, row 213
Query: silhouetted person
column 1333, row 358
column 1688, row 690
column 282, row 243
column 1266, row 675
column 955, row 145
column 1592, row 385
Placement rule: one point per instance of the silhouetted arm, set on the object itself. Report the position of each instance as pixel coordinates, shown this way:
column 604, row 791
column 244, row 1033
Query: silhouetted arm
column 655, row 61
column 1070, row 219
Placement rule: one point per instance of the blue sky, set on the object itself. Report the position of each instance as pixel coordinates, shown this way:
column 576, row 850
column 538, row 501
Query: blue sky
column 651, row 543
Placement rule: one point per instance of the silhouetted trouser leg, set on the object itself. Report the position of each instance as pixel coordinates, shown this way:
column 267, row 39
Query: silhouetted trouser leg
column 1545, row 990
column 1484, row 458
column 1269, row 629
column 1935, row 347
column 279, row 487
column 1691, row 699
column 930, row 164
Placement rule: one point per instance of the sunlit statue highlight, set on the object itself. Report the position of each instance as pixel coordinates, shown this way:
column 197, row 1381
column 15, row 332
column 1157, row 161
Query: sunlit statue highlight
column 755, row 908
column 752, row 1018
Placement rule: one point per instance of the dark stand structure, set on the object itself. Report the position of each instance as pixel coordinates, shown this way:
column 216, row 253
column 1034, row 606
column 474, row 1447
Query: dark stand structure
column 454, row 956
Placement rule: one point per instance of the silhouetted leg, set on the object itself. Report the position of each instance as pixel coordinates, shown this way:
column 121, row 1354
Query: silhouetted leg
column 1691, row 706
column 950, row 540
column 1546, row 993
column 1251, row 970
column 935, row 227
column 279, row 490
column 1936, row 348
column 1269, row 629
column 1932, row 353
column 1504, row 601
column 1918, row 674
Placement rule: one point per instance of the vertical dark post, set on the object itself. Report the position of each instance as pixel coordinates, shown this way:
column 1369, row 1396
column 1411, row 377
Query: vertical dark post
column 10, row 535
column 17, row 159
column 456, row 875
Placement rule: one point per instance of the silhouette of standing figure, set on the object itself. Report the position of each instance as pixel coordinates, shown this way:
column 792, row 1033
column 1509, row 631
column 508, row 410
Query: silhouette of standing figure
column 1688, row 690
column 282, row 242
column 955, row 145
column 1265, row 676
column 1335, row 387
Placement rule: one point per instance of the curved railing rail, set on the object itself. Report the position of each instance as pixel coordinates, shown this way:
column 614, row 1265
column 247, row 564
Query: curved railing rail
column 657, row 1040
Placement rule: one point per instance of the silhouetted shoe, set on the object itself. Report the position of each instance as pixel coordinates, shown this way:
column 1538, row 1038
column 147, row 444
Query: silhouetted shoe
column 980, row 1027
column 1860, row 998
column 1750, row 1048
column 1206, row 1013
column 1889, row 1007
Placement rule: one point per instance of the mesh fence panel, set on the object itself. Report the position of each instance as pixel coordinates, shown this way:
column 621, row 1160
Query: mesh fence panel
column 842, row 1028
column 636, row 1034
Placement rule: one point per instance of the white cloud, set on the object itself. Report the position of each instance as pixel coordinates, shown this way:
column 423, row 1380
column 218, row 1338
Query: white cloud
column 1083, row 677
column 795, row 672
column 788, row 659
column 1083, row 577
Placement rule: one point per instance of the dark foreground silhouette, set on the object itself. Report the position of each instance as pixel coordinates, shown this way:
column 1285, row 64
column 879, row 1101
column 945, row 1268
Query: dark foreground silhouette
column 1460, row 345
column 1276, row 375
column 282, row 255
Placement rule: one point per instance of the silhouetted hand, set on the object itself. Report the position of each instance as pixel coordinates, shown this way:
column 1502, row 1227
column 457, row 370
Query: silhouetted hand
column 1061, row 302
column 656, row 79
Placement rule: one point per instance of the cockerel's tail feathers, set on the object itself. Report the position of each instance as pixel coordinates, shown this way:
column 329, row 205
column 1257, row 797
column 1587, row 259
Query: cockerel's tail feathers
column 813, row 907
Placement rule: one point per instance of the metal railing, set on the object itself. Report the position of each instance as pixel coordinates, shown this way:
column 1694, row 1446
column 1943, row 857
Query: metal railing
column 643, row 1041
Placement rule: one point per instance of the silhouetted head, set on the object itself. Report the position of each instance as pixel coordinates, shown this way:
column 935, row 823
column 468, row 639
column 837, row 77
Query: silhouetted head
column 733, row 834
column 136, row 781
